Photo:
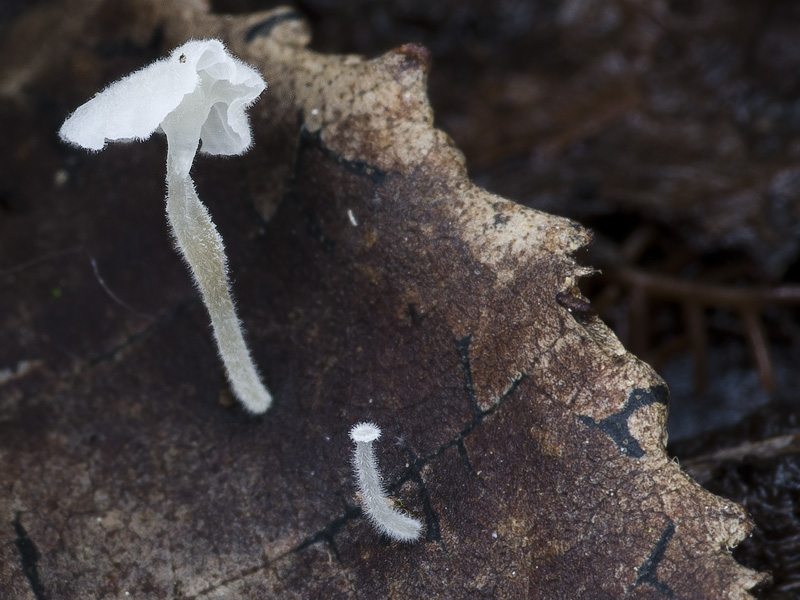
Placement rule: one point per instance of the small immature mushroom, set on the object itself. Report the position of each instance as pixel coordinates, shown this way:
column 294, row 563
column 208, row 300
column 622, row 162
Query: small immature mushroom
column 374, row 500
column 198, row 94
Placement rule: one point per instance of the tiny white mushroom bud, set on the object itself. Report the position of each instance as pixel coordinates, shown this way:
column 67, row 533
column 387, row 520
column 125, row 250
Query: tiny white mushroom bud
column 197, row 97
column 376, row 504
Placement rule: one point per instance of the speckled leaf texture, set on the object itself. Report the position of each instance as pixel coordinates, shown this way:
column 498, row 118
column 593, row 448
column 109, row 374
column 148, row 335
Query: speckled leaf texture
column 375, row 283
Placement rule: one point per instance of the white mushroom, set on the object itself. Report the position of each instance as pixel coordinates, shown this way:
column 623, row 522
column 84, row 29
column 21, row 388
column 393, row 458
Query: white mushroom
column 377, row 505
column 197, row 95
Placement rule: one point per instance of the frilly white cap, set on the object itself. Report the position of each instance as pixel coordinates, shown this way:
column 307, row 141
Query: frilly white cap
column 365, row 432
column 199, row 93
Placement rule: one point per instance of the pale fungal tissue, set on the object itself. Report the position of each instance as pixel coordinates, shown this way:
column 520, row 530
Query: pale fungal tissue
column 376, row 504
column 198, row 97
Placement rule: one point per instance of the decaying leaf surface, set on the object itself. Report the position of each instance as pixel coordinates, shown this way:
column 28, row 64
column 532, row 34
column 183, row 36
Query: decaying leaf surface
column 383, row 287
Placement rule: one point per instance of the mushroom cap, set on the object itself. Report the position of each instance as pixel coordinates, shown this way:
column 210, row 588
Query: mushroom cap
column 365, row 432
column 200, row 89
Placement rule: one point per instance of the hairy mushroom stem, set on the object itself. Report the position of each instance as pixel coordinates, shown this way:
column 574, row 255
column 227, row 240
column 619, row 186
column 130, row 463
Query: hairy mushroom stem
column 201, row 246
column 376, row 504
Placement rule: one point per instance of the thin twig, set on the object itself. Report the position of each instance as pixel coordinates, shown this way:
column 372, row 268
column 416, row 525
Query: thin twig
column 111, row 293
column 670, row 288
column 701, row 467
column 698, row 339
column 758, row 345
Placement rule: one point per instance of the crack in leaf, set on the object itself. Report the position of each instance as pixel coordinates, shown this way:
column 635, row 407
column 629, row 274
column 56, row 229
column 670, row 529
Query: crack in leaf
column 309, row 139
column 29, row 558
column 265, row 27
column 648, row 572
column 616, row 426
